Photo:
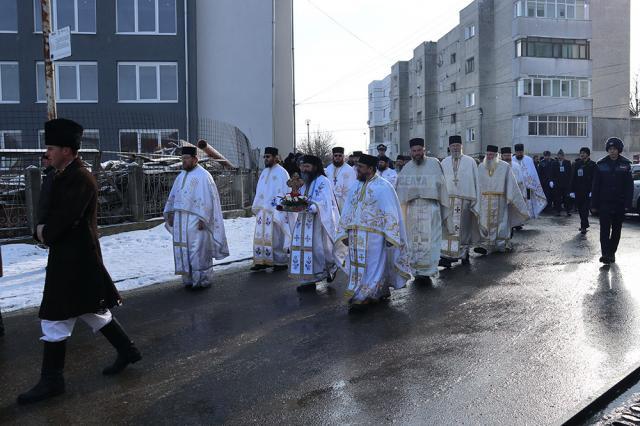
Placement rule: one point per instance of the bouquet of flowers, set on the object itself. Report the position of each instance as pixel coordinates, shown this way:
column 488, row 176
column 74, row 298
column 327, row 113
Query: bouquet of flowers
column 294, row 201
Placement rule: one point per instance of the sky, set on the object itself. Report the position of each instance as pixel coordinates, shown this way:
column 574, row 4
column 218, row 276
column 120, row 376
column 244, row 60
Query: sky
column 342, row 45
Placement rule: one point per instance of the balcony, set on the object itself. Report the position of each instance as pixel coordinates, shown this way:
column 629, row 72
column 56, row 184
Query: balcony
column 551, row 67
column 551, row 27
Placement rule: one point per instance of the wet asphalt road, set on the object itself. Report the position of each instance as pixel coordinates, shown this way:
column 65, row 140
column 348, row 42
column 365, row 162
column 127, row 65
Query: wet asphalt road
column 519, row 338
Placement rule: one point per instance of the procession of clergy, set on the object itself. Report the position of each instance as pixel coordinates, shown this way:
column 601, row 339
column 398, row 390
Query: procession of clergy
column 379, row 228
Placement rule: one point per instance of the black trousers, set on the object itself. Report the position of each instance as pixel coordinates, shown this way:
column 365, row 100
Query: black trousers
column 560, row 198
column 611, row 218
column 583, row 202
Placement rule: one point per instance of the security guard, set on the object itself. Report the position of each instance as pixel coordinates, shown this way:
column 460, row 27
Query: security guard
column 612, row 194
column 583, row 170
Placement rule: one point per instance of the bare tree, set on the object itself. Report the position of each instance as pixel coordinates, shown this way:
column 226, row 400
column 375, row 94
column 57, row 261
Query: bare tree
column 634, row 97
column 320, row 145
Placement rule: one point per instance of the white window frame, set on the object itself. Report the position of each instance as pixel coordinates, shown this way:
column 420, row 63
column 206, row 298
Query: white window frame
column 77, row 67
column 469, row 32
column 521, row 9
column 581, row 122
column 471, row 134
column 149, row 101
column 139, row 132
column 37, row 12
column 135, row 21
column 3, row 134
column 470, row 100
column 2, row 101
column 17, row 22
column 561, row 81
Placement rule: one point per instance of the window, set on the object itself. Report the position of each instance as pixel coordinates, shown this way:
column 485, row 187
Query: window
column 147, row 140
column 471, row 134
column 146, row 16
column 561, row 9
column 10, row 139
column 558, row 125
column 470, row 99
column 537, row 47
column 419, row 118
column 452, row 60
column 147, row 82
column 453, row 118
column 557, row 87
column 75, row 82
column 9, row 83
column 469, row 32
column 453, row 87
column 9, row 16
column 411, row 123
column 469, row 67
column 79, row 15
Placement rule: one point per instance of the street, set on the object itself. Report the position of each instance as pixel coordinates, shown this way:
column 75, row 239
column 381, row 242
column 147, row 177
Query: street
column 518, row 338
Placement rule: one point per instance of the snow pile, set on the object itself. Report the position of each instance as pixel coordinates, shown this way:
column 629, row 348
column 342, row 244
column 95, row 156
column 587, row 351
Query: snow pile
column 134, row 259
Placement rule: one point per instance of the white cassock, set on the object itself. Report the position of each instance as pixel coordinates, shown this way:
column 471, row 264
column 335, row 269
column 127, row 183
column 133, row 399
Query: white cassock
column 378, row 254
column 389, row 175
column 342, row 179
column 424, row 199
column 314, row 235
column 193, row 198
column 517, row 173
column 502, row 206
column 273, row 228
column 533, row 193
column 463, row 186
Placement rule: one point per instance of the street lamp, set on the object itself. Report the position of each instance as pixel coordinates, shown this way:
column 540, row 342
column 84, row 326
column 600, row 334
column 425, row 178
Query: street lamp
column 308, row 134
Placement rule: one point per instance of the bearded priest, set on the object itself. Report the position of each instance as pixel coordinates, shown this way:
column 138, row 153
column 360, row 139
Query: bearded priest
column 424, row 198
column 313, row 255
column 463, row 186
column 341, row 175
column 502, row 206
column 372, row 226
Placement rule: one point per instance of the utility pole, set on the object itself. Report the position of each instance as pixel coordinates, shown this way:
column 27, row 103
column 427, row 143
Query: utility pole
column 308, row 133
column 49, row 71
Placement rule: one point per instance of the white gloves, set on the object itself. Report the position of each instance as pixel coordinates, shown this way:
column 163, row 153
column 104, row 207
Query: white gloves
column 572, row 195
column 551, row 184
column 589, row 195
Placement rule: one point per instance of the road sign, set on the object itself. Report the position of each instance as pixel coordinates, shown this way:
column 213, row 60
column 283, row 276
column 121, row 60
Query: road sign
column 60, row 44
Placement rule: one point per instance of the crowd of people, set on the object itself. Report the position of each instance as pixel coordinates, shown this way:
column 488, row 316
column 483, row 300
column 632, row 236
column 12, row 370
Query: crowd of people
column 381, row 223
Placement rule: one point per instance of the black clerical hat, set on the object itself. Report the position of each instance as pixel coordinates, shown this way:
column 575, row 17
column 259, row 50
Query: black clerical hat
column 63, row 132
column 505, row 150
column 271, row 151
column 189, row 150
column 416, row 141
column 455, row 139
column 337, row 150
column 492, row 148
column 368, row 160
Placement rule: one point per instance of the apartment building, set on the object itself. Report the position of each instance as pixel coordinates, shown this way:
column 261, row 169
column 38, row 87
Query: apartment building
column 552, row 74
column 145, row 73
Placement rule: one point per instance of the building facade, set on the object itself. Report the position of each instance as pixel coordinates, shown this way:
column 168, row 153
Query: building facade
column 379, row 113
column 551, row 74
column 135, row 79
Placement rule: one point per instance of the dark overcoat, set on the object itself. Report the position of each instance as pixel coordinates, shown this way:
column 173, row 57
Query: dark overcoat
column 76, row 282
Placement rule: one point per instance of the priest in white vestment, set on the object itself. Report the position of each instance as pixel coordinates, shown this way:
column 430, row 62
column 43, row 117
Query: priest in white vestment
column 313, row 255
column 502, row 206
column 424, row 198
column 272, row 234
column 372, row 226
column 507, row 156
column 341, row 175
column 194, row 218
column 533, row 192
column 463, row 186
column 386, row 172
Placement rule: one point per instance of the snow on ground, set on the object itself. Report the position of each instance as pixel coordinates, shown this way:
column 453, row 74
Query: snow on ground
column 134, row 259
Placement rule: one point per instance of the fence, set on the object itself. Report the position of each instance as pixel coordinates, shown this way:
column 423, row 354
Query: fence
column 132, row 194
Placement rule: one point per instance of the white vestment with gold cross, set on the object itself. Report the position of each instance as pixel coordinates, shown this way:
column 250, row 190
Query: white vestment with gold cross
column 502, row 206
column 463, row 186
column 424, row 198
column 342, row 179
column 272, row 234
column 372, row 224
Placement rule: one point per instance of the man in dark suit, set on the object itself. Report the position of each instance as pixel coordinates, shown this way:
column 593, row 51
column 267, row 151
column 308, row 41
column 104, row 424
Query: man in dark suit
column 612, row 195
column 77, row 285
column 583, row 170
column 561, row 184
column 545, row 172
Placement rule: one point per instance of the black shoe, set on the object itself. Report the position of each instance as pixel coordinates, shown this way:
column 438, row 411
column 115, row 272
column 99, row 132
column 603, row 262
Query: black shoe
column 307, row 287
column 422, row 280
column 465, row 259
column 444, row 262
column 605, row 259
column 480, row 250
column 258, row 267
column 568, row 214
column 331, row 276
column 612, row 258
column 280, row 268
column 127, row 351
column 51, row 378
column 518, row 228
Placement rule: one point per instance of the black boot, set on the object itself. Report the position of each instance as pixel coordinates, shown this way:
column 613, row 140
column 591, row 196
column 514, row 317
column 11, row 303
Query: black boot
column 51, row 379
column 127, row 351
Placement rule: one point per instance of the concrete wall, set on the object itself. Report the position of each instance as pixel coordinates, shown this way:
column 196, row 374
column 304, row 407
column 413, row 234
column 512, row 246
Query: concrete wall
column 236, row 62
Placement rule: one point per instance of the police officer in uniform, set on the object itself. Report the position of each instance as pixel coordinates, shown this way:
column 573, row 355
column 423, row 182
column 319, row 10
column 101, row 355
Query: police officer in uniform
column 561, row 184
column 583, row 170
column 612, row 193
column 545, row 173
column 77, row 285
